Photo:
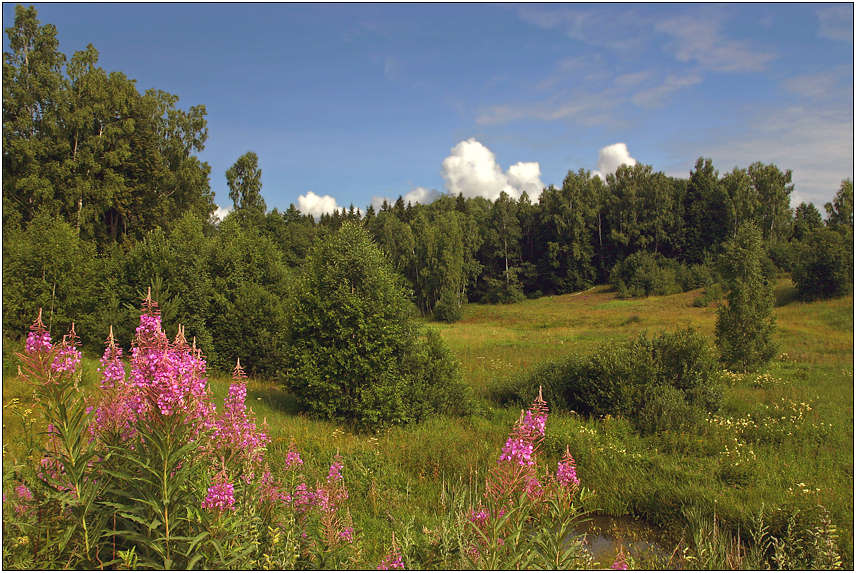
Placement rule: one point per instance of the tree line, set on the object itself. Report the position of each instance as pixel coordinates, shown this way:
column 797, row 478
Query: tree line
column 94, row 173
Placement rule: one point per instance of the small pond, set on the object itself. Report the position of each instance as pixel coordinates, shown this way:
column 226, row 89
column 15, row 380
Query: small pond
column 605, row 536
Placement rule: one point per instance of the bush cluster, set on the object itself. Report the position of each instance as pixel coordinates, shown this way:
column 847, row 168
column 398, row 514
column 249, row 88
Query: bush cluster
column 644, row 274
column 660, row 383
column 823, row 265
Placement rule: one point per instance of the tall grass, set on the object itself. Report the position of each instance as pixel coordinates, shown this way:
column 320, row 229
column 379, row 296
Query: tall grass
column 406, row 480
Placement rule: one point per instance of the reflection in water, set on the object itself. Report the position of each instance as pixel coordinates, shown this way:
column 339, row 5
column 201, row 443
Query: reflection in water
column 605, row 536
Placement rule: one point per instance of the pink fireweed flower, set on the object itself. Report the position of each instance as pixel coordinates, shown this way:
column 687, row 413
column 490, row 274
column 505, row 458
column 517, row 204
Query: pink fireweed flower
column 235, row 428
column 479, row 517
column 221, row 494
column 270, row 489
column 528, row 430
column 322, row 501
column 38, row 339
column 112, row 370
column 566, row 473
column 68, row 357
column 392, row 560
column 169, row 378
column 533, row 488
column 335, row 472
column 292, row 458
column 620, row 563
column 518, row 450
column 302, row 498
column 23, row 492
column 534, row 423
column 347, row 534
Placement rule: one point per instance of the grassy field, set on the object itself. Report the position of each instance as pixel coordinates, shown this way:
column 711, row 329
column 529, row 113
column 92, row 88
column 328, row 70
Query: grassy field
column 784, row 439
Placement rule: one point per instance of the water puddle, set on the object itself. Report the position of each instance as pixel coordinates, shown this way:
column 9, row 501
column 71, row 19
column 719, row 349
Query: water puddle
column 605, row 536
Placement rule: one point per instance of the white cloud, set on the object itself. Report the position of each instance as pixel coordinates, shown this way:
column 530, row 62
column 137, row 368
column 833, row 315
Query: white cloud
column 221, row 212
column 619, row 29
column 632, row 79
column 610, row 158
column 417, row 195
column 472, row 170
column 815, row 142
column 421, row 195
column 312, row 204
column 655, row 96
column 526, row 177
column 817, row 85
column 697, row 38
column 836, row 22
column 592, row 108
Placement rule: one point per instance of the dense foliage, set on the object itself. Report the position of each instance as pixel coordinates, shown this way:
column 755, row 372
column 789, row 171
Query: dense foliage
column 666, row 382
column 354, row 352
column 745, row 326
column 95, row 173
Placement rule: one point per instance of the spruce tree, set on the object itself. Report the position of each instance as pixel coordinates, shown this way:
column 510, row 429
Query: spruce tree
column 745, row 326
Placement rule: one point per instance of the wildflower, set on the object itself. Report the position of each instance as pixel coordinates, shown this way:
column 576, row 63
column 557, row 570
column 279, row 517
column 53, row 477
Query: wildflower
column 24, row 492
column 334, row 473
column 292, row 458
column 302, row 498
column 221, row 494
column 566, row 473
column 236, row 429
column 392, row 560
column 479, row 517
column 112, row 370
column 347, row 534
column 68, row 357
column 620, row 563
column 38, row 339
column 518, row 450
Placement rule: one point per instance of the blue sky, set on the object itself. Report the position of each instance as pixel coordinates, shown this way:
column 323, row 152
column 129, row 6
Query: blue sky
column 360, row 102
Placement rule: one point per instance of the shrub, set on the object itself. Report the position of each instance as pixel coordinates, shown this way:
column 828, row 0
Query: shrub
column 354, row 351
column 45, row 265
column 744, row 326
column 622, row 379
column 644, row 274
column 448, row 308
column 435, row 379
column 666, row 408
column 824, row 265
column 712, row 293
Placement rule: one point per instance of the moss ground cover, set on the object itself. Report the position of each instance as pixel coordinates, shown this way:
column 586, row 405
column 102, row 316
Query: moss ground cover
column 782, row 439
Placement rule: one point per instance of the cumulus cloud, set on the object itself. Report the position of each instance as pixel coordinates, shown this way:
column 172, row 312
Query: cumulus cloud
column 472, row 170
column 312, row 204
column 611, row 157
column 418, row 195
column 221, row 212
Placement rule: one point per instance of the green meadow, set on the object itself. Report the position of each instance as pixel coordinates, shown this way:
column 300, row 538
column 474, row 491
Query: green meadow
column 783, row 438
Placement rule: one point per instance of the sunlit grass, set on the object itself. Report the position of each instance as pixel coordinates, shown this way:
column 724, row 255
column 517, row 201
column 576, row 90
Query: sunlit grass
column 410, row 474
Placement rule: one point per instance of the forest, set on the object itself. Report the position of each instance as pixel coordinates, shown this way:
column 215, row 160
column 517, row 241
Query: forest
column 94, row 174
column 107, row 206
